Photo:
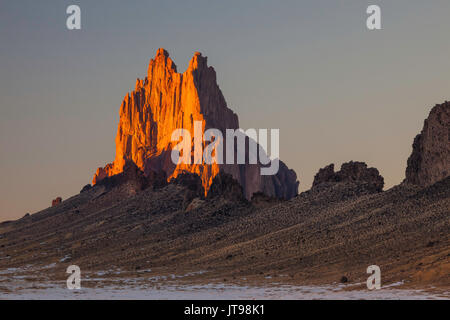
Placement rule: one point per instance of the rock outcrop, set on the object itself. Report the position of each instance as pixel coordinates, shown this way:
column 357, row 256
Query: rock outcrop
column 226, row 187
column 351, row 172
column 167, row 100
column 132, row 179
column 194, row 190
column 430, row 158
column 56, row 201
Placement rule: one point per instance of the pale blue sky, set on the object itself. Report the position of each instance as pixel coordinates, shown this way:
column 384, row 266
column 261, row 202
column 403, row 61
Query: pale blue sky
column 337, row 91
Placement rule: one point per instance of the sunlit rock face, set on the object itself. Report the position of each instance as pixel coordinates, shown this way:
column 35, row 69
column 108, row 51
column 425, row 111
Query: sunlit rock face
column 167, row 100
column 430, row 159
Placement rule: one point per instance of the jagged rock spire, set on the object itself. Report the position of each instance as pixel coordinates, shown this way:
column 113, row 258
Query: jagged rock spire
column 167, row 100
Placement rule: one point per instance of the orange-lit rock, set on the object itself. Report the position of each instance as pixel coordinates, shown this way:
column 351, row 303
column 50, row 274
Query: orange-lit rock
column 56, row 201
column 167, row 100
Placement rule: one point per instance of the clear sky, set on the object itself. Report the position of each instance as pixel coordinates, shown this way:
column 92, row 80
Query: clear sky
column 336, row 90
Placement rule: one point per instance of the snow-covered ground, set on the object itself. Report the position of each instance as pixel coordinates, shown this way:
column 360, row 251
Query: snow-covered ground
column 211, row 291
column 16, row 284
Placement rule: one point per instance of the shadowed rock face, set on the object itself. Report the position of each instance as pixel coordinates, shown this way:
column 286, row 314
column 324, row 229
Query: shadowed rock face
column 353, row 172
column 430, row 158
column 165, row 101
column 131, row 177
column 226, row 187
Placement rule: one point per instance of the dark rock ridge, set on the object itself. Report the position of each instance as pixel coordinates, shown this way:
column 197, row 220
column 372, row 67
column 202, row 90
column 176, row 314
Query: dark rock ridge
column 133, row 180
column 351, row 172
column 225, row 186
column 86, row 188
column 194, row 190
column 430, row 158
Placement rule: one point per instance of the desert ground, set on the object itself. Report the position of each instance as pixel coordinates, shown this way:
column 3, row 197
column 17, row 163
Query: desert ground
column 170, row 235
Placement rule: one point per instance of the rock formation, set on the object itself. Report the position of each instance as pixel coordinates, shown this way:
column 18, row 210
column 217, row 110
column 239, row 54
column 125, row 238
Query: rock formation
column 166, row 100
column 226, row 187
column 430, row 158
column 132, row 179
column 56, row 201
column 355, row 172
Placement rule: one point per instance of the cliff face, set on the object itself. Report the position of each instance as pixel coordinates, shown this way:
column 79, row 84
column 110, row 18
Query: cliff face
column 165, row 101
column 430, row 158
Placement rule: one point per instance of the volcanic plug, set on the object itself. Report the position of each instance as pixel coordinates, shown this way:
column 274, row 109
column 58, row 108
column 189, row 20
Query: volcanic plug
column 167, row 100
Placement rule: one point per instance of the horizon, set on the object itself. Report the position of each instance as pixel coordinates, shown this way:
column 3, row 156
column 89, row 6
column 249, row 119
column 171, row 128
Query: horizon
column 336, row 91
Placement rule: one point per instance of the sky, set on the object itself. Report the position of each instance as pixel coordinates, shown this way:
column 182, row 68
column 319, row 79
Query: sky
column 336, row 90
